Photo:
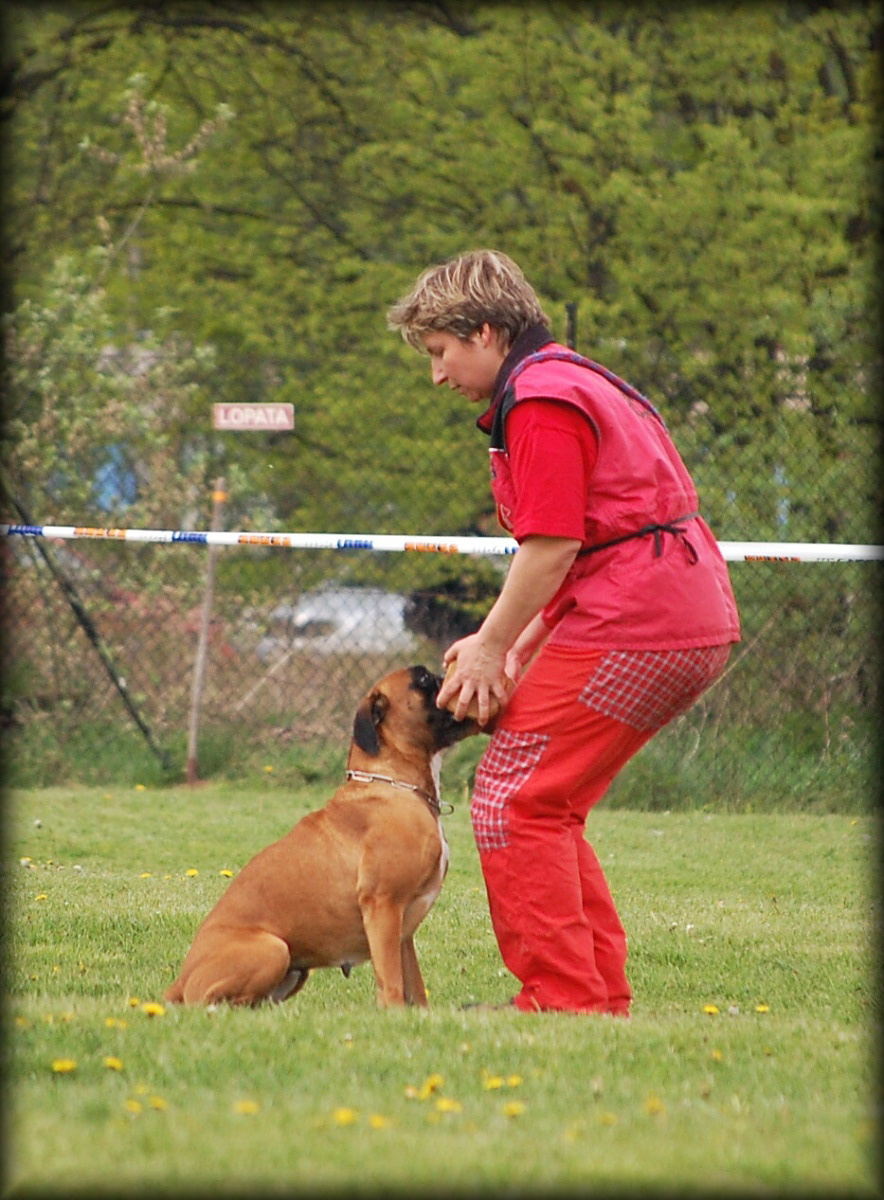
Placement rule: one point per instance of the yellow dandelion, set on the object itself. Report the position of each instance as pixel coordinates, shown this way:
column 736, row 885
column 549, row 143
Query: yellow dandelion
column 133, row 1106
column 112, row 1062
column 247, row 1108
column 492, row 1082
column 227, row 874
column 42, row 896
column 716, row 1056
column 762, row 1008
column 513, row 1080
column 608, row 1118
column 133, row 1001
column 654, row 1105
column 345, row 1116
column 139, row 787
column 114, row 1023
column 430, row 1085
column 64, row 1066
column 158, row 1103
column 151, row 1009
column 191, row 872
column 269, row 769
column 513, row 1108
column 711, row 1009
column 141, row 1089
column 376, row 1121
column 146, row 875
column 67, row 1017
column 447, row 1104
column 23, row 1022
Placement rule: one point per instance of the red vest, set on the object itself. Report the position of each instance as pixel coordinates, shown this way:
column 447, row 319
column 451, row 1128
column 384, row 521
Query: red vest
column 650, row 574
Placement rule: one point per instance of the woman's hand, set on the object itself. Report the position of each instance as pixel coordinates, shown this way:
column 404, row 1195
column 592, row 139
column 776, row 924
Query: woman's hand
column 479, row 672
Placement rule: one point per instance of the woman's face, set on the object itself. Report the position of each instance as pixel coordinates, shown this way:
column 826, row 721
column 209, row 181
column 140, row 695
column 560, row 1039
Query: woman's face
column 468, row 366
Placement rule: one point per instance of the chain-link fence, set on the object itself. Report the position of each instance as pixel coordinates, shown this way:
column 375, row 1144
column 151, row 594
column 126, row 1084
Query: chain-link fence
column 102, row 637
column 101, row 641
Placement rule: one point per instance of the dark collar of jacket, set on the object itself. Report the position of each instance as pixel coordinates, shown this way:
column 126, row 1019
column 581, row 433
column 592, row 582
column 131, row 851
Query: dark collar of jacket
column 533, row 339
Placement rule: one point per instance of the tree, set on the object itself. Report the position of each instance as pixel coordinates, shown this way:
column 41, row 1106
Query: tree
column 705, row 201
column 97, row 430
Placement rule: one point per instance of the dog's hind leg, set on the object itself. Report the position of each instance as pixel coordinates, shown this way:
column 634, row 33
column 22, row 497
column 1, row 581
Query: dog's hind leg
column 415, row 992
column 175, row 993
column 240, row 968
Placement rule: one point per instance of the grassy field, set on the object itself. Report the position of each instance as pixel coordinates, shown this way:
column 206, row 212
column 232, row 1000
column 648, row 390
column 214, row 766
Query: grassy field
column 748, row 1065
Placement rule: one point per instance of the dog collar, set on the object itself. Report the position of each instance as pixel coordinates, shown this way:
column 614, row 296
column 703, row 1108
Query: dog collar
column 368, row 777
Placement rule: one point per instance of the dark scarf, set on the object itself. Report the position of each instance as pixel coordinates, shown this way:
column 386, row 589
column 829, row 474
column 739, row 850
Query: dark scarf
column 533, row 339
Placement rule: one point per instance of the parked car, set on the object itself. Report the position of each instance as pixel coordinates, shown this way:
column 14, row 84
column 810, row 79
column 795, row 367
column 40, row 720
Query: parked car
column 338, row 620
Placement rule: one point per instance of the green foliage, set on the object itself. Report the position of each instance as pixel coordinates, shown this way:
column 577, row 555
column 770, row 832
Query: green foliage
column 697, row 180
column 85, row 413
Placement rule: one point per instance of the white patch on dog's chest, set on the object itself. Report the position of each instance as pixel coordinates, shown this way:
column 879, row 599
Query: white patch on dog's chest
column 436, row 769
column 422, row 904
column 446, row 855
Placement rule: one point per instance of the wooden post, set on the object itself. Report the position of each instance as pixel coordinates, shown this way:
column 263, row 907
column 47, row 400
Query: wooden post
column 219, row 496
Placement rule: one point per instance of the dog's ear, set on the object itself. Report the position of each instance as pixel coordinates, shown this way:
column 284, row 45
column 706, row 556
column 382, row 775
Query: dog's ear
column 368, row 717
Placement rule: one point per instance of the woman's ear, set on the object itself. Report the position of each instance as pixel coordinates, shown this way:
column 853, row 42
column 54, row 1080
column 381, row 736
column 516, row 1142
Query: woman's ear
column 491, row 338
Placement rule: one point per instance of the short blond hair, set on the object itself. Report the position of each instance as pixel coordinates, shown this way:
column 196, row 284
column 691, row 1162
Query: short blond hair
column 461, row 295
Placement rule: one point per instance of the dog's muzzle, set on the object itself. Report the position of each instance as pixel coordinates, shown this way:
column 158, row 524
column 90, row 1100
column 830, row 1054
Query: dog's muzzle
column 446, row 729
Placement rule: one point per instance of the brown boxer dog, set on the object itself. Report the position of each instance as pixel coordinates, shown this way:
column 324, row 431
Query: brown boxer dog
column 349, row 882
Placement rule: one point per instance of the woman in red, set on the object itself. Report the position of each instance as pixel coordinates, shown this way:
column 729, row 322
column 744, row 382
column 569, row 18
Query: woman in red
column 616, row 614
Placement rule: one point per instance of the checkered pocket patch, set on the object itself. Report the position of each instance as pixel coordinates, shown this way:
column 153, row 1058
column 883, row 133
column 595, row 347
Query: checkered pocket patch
column 646, row 689
column 505, row 767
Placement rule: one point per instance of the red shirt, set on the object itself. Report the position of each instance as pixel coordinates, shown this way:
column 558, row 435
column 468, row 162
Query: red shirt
column 553, row 449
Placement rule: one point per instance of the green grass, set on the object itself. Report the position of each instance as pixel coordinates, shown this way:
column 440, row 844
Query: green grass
column 742, row 912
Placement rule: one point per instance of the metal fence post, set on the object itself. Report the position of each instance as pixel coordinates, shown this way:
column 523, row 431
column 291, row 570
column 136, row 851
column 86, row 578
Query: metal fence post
column 219, row 496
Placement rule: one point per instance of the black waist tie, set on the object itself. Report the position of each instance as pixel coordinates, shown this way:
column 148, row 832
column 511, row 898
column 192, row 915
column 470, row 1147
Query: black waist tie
column 675, row 527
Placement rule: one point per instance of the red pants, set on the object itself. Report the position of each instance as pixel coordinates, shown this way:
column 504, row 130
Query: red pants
column 575, row 720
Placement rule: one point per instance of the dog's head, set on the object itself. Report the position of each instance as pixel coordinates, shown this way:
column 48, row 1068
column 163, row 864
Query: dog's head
column 400, row 713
